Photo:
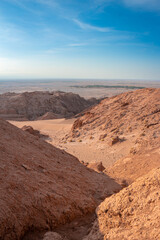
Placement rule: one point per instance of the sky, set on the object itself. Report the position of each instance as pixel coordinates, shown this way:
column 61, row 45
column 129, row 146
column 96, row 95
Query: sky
column 96, row 39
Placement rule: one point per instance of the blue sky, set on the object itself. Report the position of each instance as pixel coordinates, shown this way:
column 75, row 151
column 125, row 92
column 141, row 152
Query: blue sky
column 100, row 39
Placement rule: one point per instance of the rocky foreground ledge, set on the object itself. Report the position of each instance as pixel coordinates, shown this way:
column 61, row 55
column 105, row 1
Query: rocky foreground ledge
column 43, row 187
column 133, row 213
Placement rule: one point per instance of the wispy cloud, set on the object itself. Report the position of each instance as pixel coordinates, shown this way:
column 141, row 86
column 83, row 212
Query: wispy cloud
column 77, row 44
column 24, row 5
column 100, row 4
column 10, row 33
column 146, row 4
column 49, row 3
column 64, row 9
column 57, row 50
column 52, row 51
column 151, row 5
column 86, row 26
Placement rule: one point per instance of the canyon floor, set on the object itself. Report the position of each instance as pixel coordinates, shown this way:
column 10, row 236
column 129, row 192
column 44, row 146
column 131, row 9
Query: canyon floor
column 87, row 150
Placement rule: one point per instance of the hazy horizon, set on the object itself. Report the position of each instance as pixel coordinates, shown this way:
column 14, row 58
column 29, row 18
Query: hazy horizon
column 79, row 79
column 85, row 88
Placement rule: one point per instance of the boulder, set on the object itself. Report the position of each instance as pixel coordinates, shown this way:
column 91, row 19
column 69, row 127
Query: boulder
column 96, row 166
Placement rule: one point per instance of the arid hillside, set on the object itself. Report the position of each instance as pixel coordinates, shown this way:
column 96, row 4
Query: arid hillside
column 42, row 105
column 135, row 165
column 131, row 214
column 42, row 186
column 120, row 115
column 126, row 127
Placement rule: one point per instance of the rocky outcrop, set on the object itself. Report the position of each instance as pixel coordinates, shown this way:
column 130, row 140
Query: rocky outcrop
column 34, row 132
column 122, row 114
column 128, row 125
column 42, row 186
column 53, row 236
column 49, row 115
column 133, row 213
column 115, row 140
column 135, row 165
column 33, row 105
column 97, row 166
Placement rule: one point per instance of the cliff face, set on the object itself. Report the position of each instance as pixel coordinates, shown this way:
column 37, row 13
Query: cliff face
column 41, row 186
column 133, row 213
column 32, row 105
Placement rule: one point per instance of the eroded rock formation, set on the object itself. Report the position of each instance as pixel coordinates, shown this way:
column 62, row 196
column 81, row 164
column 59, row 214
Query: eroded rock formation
column 42, row 186
column 133, row 213
column 122, row 114
column 129, row 126
column 44, row 105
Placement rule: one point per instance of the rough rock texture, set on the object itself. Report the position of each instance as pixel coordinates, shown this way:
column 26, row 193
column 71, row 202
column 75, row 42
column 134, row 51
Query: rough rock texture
column 115, row 140
column 31, row 105
column 49, row 115
column 121, row 114
column 98, row 166
column 42, row 186
column 34, row 132
column 132, row 214
column 129, row 122
column 130, row 168
column 53, row 236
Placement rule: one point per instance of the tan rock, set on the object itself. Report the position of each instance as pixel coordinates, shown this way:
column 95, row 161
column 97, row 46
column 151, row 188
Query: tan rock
column 53, row 236
column 77, row 124
column 43, row 105
column 115, row 140
column 31, row 130
column 131, row 119
column 102, row 136
column 50, row 115
column 133, row 213
column 34, row 132
column 96, row 166
column 135, row 165
column 122, row 114
column 41, row 186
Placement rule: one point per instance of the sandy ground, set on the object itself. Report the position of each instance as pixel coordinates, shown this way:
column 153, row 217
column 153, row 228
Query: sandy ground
column 88, row 150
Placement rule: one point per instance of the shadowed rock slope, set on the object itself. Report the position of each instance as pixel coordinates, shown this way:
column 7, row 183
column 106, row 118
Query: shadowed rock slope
column 33, row 105
column 41, row 186
column 133, row 213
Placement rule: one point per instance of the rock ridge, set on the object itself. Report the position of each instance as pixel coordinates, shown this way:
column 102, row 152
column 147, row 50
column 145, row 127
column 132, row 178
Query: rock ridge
column 45, row 105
